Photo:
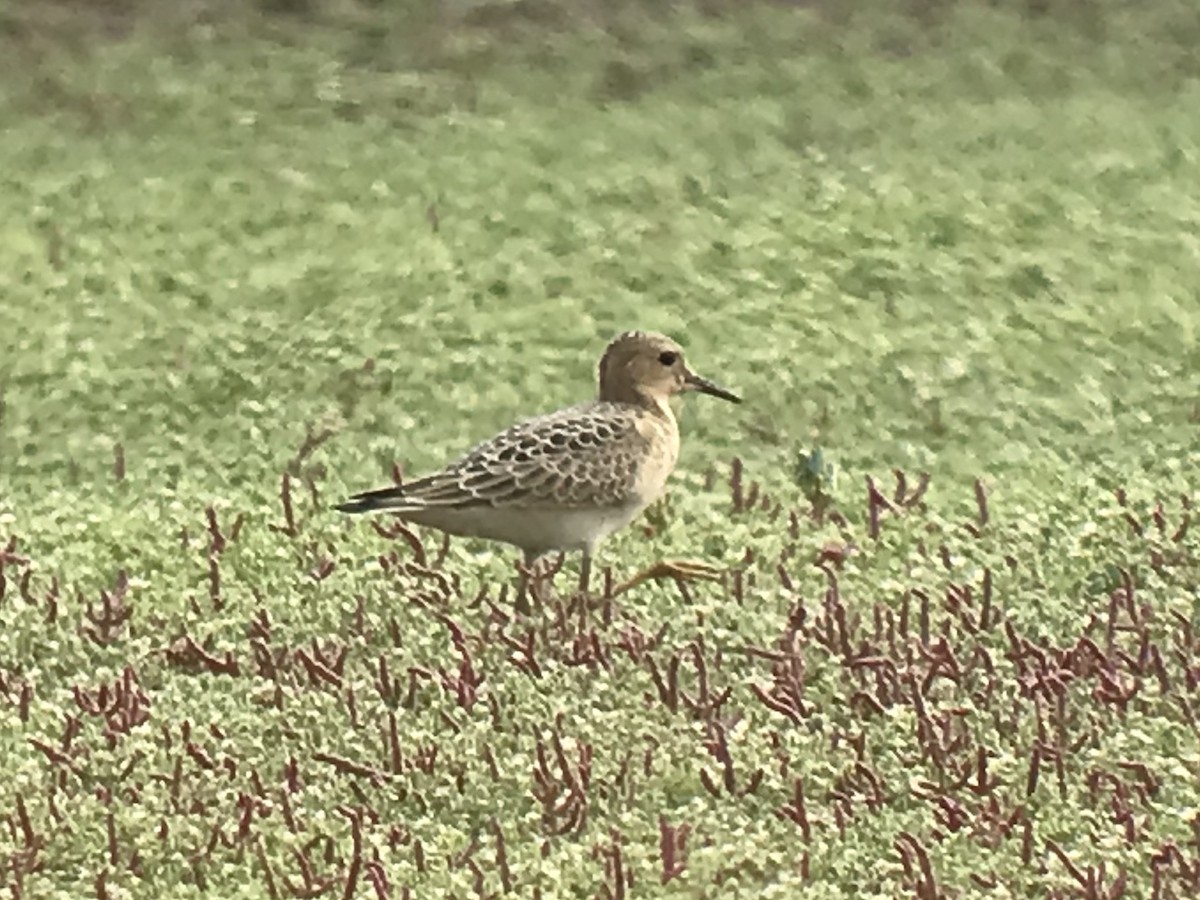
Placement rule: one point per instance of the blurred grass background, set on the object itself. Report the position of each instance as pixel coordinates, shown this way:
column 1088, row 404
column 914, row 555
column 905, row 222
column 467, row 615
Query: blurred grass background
column 960, row 225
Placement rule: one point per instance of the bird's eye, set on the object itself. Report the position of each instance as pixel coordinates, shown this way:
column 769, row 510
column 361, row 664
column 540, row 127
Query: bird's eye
column 667, row 357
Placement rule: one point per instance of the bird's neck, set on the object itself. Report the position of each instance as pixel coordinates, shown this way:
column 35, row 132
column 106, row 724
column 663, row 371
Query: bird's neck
column 656, row 405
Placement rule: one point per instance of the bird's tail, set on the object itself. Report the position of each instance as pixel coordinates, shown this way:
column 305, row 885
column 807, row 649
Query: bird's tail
column 374, row 501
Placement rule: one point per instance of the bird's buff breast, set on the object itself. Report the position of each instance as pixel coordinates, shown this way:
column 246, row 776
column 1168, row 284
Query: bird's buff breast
column 663, row 436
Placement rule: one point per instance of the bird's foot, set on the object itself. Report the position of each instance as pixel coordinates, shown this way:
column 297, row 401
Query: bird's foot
column 678, row 569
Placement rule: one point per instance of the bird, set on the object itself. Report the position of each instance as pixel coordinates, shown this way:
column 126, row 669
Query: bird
column 566, row 480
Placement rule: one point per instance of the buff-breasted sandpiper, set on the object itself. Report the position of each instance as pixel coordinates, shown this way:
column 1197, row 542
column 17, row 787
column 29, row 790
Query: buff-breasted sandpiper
column 568, row 479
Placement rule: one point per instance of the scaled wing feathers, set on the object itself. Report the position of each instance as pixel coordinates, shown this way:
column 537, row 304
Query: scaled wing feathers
column 580, row 456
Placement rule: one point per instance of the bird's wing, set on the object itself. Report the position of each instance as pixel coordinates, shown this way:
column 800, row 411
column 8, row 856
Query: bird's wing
column 586, row 455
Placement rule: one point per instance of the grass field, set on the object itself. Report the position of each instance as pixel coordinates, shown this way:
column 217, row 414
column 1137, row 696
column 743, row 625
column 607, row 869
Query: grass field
column 948, row 254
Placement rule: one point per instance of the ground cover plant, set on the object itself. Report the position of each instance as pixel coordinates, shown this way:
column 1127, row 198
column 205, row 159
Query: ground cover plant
column 252, row 261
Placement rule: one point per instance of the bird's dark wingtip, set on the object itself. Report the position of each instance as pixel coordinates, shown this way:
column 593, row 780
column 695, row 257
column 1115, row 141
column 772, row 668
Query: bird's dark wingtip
column 367, row 501
column 358, row 503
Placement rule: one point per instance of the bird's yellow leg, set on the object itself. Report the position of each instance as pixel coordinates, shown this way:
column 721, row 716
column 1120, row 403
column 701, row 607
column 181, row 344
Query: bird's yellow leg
column 523, row 579
column 678, row 569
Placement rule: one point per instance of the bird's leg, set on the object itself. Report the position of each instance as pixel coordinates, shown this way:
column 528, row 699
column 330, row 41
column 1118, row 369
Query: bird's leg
column 679, row 569
column 524, row 577
column 585, row 572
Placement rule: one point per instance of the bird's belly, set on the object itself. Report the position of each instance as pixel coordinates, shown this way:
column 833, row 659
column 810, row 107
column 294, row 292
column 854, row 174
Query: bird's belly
column 540, row 530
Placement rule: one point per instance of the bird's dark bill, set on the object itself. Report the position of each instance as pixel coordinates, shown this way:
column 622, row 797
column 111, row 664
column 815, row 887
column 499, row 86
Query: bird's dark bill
column 704, row 386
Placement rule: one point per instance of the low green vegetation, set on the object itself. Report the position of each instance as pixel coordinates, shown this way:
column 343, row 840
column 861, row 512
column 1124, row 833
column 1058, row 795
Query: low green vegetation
column 250, row 263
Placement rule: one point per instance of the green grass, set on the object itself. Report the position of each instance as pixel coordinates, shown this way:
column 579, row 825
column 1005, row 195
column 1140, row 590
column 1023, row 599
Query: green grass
column 953, row 240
